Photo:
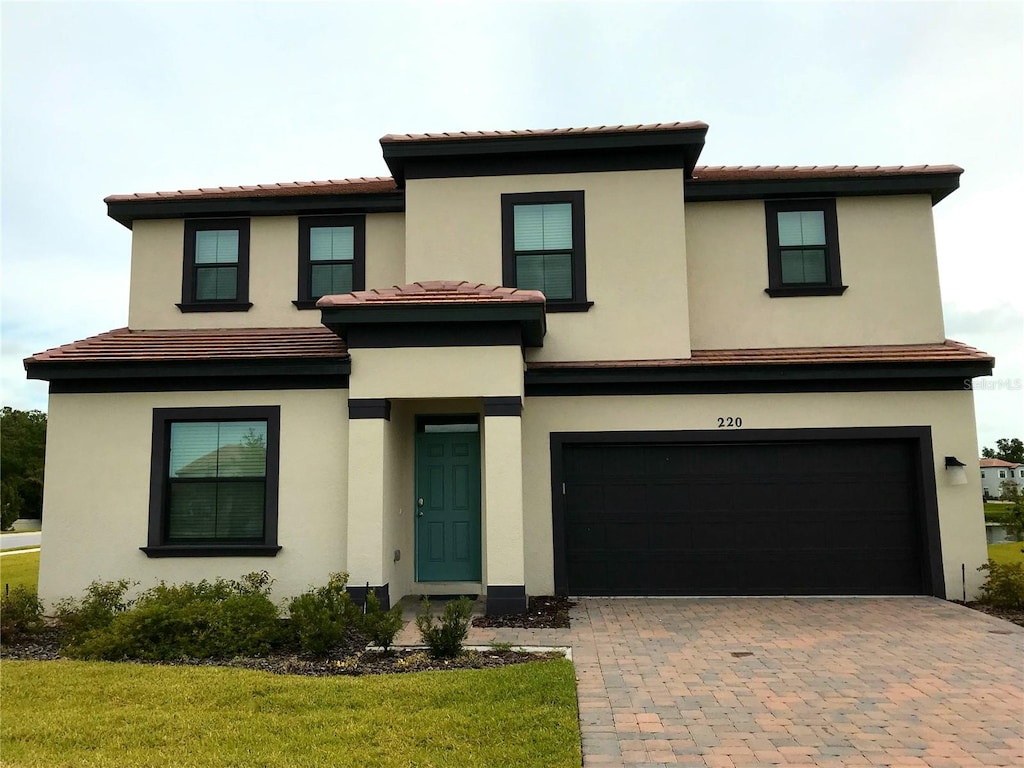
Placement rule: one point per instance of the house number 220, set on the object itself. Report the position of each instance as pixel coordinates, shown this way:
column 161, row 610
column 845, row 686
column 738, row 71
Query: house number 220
column 724, row 422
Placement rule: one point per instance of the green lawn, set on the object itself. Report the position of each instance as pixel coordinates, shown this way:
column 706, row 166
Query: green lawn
column 67, row 713
column 20, row 569
column 1007, row 552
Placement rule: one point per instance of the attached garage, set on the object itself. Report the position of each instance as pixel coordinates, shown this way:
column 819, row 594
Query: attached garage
column 766, row 512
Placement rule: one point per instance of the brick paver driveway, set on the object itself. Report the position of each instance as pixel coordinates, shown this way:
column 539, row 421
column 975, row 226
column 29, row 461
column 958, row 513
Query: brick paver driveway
column 826, row 682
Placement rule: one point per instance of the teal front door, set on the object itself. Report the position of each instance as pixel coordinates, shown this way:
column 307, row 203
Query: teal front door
column 448, row 506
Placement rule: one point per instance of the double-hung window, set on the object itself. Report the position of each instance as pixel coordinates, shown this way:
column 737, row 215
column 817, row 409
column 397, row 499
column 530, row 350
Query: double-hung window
column 332, row 257
column 215, row 274
column 803, row 248
column 214, row 479
column 543, row 247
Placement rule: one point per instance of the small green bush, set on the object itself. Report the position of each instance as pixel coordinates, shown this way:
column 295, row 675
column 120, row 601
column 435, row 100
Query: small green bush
column 217, row 619
column 21, row 614
column 444, row 641
column 102, row 602
column 381, row 626
column 323, row 618
column 1004, row 587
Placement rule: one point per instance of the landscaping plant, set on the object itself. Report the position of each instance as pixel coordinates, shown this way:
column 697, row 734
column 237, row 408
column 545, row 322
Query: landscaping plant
column 380, row 626
column 444, row 640
column 324, row 617
column 1004, row 587
column 21, row 614
column 217, row 619
column 103, row 600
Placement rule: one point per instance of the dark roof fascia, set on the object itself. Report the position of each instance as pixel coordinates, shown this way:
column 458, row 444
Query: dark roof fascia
column 529, row 316
column 517, row 155
column 758, row 378
column 937, row 185
column 127, row 211
column 65, row 370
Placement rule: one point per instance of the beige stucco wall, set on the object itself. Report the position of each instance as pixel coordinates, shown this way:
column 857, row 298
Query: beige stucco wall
column 887, row 256
column 951, row 415
column 636, row 255
column 426, row 372
column 158, row 257
column 97, row 491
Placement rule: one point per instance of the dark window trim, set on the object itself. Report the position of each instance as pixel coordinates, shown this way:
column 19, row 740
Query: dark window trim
column 933, row 579
column 188, row 300
column 578, row 302
column 158, row 485
column 833, row 286
column 358, row 224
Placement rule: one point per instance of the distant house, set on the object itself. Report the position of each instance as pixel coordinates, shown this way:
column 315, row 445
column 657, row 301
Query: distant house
column 567, row 362
column 995, row 472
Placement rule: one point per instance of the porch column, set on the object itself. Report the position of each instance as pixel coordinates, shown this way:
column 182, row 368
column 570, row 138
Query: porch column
column 503, row 500
column 366, row 477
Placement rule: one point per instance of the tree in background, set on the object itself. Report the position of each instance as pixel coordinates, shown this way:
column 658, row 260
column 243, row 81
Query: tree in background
column 1007, row 450
column 22, row 453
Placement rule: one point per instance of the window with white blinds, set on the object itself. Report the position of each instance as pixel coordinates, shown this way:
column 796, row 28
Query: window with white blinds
column 215, row 277
column 803, row 248
column 332, row 255
column 543, row 247
column 217, row 481
column 214, row 481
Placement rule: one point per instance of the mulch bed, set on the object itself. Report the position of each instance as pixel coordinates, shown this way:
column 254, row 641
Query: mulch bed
column 543, row 613
column 352, row 659
column 1013, row 615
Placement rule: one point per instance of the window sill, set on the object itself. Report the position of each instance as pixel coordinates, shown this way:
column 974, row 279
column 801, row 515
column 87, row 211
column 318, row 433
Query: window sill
column 305, row 303
column 215, row 306
column 806, row 290
column 568, row 306
column 212, row 550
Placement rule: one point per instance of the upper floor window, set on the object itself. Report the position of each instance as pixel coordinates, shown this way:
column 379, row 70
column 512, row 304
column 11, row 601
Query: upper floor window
column 215, row 273
column 1002, row 473
column 332, row 257
column 214, row 481
column 803, row 248
column 544, row 247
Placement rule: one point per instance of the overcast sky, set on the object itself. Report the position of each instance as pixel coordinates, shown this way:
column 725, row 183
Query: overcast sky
column 102, row 98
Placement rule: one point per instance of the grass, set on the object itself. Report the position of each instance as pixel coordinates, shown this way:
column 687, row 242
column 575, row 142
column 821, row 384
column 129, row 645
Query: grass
column 98, row 714
column 20, row 569
column 1007, row 552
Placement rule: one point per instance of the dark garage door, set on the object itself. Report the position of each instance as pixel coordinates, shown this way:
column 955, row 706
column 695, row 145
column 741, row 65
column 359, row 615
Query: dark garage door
column 766, row 518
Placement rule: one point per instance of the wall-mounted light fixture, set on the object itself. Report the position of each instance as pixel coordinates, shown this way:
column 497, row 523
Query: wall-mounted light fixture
column 955, row 471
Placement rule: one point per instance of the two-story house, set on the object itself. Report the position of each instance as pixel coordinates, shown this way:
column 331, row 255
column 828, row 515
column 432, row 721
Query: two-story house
column 996, row 473
column 530, row 362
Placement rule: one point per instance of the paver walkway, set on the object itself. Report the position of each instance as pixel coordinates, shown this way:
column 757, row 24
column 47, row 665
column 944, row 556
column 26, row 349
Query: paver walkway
column 828, row 682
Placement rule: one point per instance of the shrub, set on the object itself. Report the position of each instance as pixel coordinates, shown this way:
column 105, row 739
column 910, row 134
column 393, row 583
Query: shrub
column 1004, row 587
column 324, row 617
column 381, row 626
column 103, row 601
column 21, row 614
column 444, row 641
column 215, row 619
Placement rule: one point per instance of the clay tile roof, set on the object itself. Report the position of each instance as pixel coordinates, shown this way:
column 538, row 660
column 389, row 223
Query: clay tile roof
column 780, row 172
column 123, row 345
column 393, row 138
column 434, row 292
column 948, row 351
column 361, row 185
column 998, row 463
